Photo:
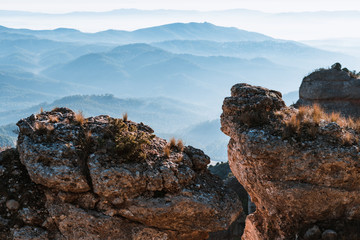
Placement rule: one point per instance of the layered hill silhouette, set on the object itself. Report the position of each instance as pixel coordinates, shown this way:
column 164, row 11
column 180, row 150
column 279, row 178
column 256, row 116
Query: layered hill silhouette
column 173, row 77
column 175, row 31
column 196, row 61
column 169, row 118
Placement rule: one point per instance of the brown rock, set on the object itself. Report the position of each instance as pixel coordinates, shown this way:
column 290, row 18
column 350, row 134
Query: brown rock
column 334, row 90
column 106, row 178
column 295, row 180
column 75, row 223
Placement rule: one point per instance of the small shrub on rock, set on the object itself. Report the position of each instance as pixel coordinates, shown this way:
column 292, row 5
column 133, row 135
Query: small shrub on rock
column 129, row 141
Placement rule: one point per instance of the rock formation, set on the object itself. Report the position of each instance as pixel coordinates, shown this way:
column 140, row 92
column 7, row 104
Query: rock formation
column 335, row 90
column 105, row 178
column 300, row 166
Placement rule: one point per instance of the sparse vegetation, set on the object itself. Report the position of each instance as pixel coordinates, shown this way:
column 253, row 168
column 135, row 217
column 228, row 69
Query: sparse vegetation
column 348, row 139
column 130, row 142
column 53, row 119
column 180, row 145
column 125, row 117
column 337, row 66
column 79, row 118
column 172, row 142
column 43, row 128
column 308, row 118
column 173, row 145
column 167, row 150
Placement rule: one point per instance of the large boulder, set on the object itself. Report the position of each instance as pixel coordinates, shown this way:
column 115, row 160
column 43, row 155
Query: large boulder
column 335, row 90
column 300, row 167
column 106, row 178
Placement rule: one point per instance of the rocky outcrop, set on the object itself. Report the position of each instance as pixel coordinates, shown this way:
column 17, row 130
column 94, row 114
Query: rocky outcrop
column 105, row 178
column 300, row 166
column 335, row 90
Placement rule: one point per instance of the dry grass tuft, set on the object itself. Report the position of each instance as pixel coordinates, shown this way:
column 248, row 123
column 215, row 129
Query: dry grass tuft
column 306, row 116
column 79, row 118
column 167, row 150
column 348, row 138
column 53, row 119
column 41, row 127
column 317, row 113
column 307, row 120
column 180, row 145
column 356, row 125
column 88, row 135
column 125, row 117
column 173, row 145
column 334, row 117
column 172, row 142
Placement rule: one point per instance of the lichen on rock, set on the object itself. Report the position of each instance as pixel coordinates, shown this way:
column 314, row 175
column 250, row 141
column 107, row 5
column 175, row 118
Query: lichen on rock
column 106, row 178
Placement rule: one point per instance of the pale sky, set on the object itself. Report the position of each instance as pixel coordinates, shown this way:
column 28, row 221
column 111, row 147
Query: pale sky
column 284, row 26
column 61, row 6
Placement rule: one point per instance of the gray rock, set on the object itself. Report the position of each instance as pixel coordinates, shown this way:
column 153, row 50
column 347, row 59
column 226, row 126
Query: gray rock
column 30, row 216
column 137, row 190
column 51, row 151
column 329, row 235
column 12, row 205
column 33, row 233
column 2, row 170
column 313, row 233
column 4, row 222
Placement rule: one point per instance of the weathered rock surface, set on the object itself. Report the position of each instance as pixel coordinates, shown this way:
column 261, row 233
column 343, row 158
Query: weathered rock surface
column 105, row 178
column 335, row 90
column 297, row 178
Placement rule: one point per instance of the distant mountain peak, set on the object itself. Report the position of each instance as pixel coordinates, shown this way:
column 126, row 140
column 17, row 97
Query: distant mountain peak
column 70, row 30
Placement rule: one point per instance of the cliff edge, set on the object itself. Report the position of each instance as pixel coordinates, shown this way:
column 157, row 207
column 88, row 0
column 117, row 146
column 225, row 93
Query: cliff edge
column 300, row 166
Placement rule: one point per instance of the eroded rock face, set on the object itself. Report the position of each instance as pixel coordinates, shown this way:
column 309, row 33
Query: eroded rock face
column 105, row 178
column 333, row 89
column 298, row 171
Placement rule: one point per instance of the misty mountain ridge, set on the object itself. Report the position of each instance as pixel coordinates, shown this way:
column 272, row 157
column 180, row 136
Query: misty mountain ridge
column 196, row 70
column 290, row 25
column 173, row 77
column 134, row 69
column 174, row 31
column 163, row 114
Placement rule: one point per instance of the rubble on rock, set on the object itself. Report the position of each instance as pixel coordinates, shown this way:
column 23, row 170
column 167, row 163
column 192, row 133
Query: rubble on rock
column 300, row 166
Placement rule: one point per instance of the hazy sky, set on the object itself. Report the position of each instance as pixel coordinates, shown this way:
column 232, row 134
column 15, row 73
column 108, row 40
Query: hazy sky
column 293, row 26
column 54, row 6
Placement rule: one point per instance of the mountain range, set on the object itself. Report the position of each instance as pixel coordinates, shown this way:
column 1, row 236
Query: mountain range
column 172, row 77
column 174, row 31
column 200, row 64
column 287, row 25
